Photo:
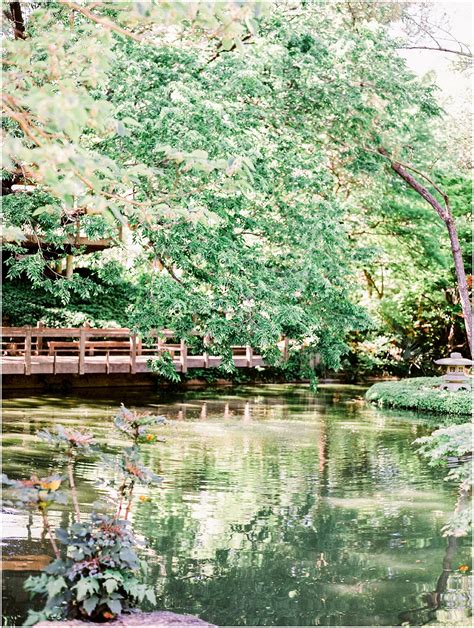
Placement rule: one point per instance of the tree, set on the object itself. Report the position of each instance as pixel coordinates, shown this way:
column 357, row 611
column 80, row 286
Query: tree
column 251, row 157
column 419, row 24
column 391, row 115
column 445, row 213
column 55, row 114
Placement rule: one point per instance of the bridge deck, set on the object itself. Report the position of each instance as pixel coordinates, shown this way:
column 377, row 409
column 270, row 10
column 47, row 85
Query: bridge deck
column 39, row 350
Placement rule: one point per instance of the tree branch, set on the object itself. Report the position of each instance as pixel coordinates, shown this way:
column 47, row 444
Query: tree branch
column 400, row 169
column 439, row 49
column 103, row 21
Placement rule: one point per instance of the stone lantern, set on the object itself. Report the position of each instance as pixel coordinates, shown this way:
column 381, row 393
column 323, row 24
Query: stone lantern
column 456, row 377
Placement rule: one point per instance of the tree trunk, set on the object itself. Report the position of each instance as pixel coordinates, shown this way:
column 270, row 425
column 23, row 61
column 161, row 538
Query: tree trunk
column 18, row 21
column 444, row 212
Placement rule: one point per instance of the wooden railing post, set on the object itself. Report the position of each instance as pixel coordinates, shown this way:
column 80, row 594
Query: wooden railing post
column 285, row 349
column 133, row 353
column 249, row 355
column 39, row 339
column 82, row 350
column 184, row 356
column 206, row 359
column 28, row 351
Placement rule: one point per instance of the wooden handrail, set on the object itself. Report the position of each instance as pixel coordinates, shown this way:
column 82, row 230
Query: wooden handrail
column 73, row 332
column 81, row 350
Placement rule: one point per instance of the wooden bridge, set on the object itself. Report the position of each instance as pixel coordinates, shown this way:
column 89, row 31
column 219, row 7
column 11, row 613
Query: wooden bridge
column 83, row 350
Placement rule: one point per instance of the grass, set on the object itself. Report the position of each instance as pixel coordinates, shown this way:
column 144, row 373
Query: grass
column 421, row 394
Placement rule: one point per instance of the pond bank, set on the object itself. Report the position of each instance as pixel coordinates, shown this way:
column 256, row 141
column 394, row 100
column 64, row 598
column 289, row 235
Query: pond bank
column 421, row 394
column 69, row 382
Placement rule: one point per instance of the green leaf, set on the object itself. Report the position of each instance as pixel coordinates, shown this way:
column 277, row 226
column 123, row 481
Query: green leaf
column 110, row 585
column 86, row 586
column 55, row 585
column 90, row 603
column 128, row 556
column 150, row 595
column 115, row 606
column 62, row 535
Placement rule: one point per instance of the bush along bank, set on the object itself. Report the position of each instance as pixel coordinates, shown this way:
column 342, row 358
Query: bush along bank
column 421, row 394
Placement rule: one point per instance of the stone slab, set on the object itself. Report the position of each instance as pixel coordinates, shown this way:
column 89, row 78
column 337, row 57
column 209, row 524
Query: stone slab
column 157, row 618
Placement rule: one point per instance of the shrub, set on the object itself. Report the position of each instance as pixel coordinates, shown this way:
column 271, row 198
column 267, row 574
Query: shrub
column 98, row 578
column 451, row 448
column 97, row 572
column 421, row 394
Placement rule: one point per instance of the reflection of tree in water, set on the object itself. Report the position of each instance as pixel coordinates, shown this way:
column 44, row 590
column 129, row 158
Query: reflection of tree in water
column 302, row 553
column 265, row 522
column 450, row 602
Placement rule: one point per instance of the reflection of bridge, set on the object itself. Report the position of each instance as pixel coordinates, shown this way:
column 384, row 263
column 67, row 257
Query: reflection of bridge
column 83, row 350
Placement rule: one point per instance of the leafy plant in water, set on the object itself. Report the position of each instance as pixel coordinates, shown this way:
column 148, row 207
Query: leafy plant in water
column 97, row 572
column 98, row 578
column 137, row 427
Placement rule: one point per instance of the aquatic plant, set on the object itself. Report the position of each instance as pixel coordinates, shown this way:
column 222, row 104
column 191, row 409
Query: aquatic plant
column 98, row 578
column 97, row 572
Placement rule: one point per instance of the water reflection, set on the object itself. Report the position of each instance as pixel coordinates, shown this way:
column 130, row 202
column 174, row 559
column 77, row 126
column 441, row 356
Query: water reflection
column 450, row 602
column 278, row 507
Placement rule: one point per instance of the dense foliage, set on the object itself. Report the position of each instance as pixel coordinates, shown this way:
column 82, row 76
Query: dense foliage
column 423, row 395
column 238, row 150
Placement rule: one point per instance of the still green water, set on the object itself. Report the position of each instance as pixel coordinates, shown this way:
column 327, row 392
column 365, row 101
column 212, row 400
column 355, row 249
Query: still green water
column 278, row 507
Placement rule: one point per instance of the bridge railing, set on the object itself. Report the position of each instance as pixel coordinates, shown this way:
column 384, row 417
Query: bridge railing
column 82, row 350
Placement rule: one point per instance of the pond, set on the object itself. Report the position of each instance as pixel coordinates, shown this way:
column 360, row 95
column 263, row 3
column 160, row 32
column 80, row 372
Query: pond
column 278, row 507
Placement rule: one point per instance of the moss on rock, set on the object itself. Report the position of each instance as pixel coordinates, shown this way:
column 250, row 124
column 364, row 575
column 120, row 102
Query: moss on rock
column 421, row 394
